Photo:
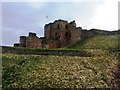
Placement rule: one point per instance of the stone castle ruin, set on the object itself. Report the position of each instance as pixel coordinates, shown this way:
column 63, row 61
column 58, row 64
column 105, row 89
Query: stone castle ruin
column 59, row 34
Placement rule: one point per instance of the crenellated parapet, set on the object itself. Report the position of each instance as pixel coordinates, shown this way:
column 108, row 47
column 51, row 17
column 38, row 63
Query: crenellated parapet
column 31, row 34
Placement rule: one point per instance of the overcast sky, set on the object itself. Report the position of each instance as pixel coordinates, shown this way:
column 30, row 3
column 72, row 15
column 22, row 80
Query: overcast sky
column 20, row 18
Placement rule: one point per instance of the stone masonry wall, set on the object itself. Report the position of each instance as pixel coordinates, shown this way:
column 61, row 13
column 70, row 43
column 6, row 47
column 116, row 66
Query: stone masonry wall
column 92, row 32
column 45, row 52
column 75, row 33
column 23, row 41
column 33, row 41
column 62, row 31
column 55, row 32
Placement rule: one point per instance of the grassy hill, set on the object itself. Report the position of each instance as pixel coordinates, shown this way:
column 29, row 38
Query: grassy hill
column 39, row 71
column 98, row 42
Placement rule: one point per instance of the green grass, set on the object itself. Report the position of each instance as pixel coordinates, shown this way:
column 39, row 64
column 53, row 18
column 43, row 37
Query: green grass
column 57, row 71
column 36, row 71
column 39, row 71
column 98, row 42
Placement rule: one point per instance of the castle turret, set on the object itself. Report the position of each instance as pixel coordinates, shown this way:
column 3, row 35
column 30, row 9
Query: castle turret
column 23, row 41
column 75, row 32
column 33, row 41
column 31, row 34
column 73, row 24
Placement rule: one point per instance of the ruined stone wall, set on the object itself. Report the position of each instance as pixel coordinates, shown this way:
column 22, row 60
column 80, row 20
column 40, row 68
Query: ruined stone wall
column 87, row 34
column 45, row 52
column 62, row 31
column 75, row 33
column 47, row 32
column 33, row 41
column 92, row 32
column 53, row 43
column 55, row 34
column 59, row 34
column 103, row 32
column 41, row 42
column 23, row 41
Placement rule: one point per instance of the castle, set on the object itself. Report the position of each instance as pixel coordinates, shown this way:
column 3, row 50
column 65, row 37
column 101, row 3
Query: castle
column 59, row 34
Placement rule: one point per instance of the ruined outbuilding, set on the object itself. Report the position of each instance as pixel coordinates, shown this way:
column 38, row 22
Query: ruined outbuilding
column 58, row 34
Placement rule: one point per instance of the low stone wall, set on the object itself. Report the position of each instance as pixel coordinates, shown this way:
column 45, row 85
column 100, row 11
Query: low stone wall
column 45, row 52
column 92, row 32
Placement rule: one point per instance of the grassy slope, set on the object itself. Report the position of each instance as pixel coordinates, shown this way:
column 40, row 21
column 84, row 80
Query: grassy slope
column 63, row 71
column 97, row 42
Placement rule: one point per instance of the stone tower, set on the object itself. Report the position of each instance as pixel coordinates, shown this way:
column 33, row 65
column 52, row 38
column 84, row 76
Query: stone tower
column 23, row 41
column 61, row 33
column 33, row 41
